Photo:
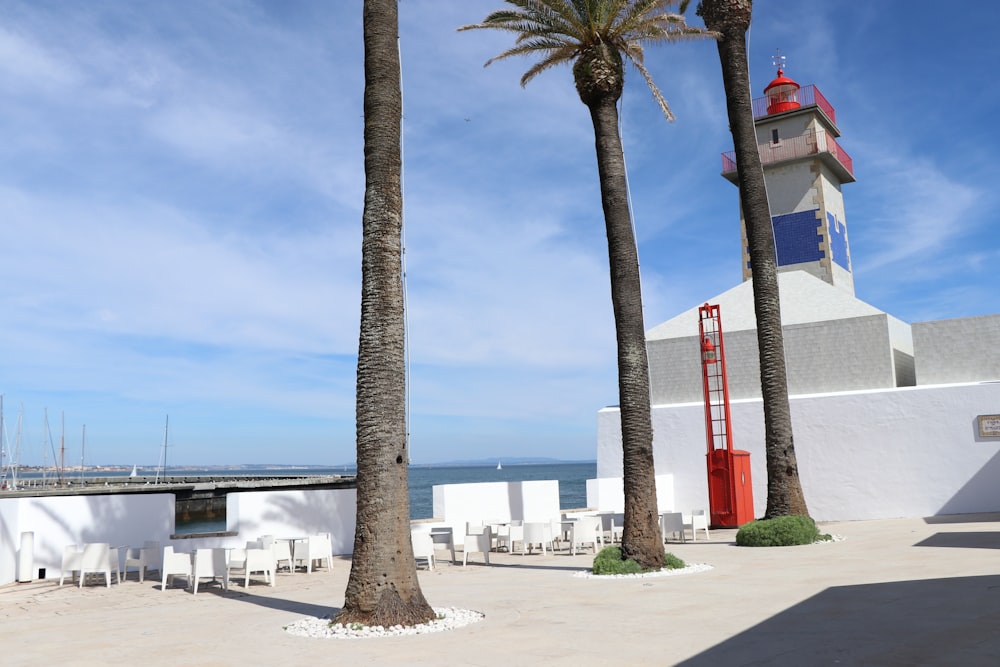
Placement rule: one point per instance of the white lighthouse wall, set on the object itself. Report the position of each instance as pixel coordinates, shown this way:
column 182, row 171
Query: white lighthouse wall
column 862, row 455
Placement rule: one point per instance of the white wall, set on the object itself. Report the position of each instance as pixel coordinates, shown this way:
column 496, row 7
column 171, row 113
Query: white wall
column 456, row 504
column 129, row 519
column 607, row 494
column 906, row 452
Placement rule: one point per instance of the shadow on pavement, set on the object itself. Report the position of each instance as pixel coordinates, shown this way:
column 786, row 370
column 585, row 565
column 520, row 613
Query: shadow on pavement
column 973, row 540
column 953, row 621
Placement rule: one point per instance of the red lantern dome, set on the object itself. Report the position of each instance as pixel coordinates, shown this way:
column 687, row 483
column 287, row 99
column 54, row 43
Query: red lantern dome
column 782, row 94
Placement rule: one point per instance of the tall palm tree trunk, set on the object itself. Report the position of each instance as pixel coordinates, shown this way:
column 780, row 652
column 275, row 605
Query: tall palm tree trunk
column 641, row 538
column 731, row 18
column 382, row 588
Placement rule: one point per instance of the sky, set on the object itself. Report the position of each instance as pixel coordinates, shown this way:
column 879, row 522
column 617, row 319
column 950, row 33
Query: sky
column 181, row 187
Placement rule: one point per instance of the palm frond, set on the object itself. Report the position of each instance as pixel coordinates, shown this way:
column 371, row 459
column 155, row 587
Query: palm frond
column 560, row 30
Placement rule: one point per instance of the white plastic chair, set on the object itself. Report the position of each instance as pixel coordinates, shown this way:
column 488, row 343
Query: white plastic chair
column 536, row 532
column 612, row 525
column 258, row 560
column 446, row 536
column 697, row 520
column 477, row 542
column 586, row 531
column 423, row 546
column 313, row 548
column 672, row 523
column 236, row 559
column 210, row 563
column 146, row 558
column 96, row 558
column 513, row 532
column 174, row 563
column 72, row 556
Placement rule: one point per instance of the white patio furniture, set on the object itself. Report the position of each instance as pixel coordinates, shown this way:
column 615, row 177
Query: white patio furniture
column 145, row 558
column 697, row 520
column 585, row 532
column 258, row 559
column 174, row 564
column 513, row 532
column 612, row 525
column 72, row 555
column 423, row 545
column 311, row 550
column 446, row 536
column 672, row 523
column 479, row 541
column 210, row 562
column 537, row 532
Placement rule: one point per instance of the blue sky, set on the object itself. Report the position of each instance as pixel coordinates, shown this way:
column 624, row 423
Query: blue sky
column 180, row 204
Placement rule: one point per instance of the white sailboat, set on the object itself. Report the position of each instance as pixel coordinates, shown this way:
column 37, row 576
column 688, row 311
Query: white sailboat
column 134, row 472
column 499, row 467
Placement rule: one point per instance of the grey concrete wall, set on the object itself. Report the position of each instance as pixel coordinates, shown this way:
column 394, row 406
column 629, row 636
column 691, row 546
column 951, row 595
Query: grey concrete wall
column 965, row 349
column 836, row 355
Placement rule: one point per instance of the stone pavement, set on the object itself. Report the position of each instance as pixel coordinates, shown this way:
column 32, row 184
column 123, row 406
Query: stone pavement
column 894, row 592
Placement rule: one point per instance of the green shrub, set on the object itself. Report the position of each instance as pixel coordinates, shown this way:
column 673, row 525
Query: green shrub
column 609, row 561
column 672, row 562
column 782, row 531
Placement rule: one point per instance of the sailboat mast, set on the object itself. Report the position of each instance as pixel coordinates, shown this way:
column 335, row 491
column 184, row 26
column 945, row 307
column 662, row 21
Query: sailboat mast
column 62, row 450
column 83, row 449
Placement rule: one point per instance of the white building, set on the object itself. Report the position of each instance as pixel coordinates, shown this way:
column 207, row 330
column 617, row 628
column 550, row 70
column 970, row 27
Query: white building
column 885, row 415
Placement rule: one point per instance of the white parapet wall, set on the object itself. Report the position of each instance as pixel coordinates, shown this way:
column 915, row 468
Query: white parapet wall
column 129, row 519
column 907, row 452
column 457, row 504
column 607, row 494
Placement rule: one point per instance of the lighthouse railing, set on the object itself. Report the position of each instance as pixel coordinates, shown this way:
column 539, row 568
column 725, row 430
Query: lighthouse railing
column 810, row 143
column 807, row 96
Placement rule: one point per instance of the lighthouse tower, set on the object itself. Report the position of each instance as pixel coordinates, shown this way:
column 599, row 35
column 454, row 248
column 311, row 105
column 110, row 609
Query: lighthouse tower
column 804, row 169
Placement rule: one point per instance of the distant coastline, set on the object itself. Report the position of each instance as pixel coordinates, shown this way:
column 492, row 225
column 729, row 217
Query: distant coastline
column 250, row 467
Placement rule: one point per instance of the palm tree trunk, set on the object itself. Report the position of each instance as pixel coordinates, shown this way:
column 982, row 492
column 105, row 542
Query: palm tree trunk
column 382, row 588
column 784, row 490
column 641, row 538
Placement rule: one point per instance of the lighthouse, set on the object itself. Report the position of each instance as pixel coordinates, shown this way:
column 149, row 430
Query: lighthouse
column 804, row 170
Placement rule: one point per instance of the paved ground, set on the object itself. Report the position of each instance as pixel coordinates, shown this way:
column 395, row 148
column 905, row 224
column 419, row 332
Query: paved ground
column 899, row 592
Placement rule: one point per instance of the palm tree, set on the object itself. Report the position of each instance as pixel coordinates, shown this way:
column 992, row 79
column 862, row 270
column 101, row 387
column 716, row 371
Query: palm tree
column 382, row 588
column 596, row 37
column 731, row 19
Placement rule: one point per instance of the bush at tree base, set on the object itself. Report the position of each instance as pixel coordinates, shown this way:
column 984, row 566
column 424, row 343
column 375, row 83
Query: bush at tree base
column 609, row 561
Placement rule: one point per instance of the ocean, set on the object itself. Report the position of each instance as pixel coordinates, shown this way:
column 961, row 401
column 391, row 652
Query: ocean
column 572, row 478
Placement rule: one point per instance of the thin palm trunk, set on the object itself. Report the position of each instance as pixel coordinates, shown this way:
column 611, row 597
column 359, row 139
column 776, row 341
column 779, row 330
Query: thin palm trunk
column 731, row 18
column 382, row 588
column 641, row 540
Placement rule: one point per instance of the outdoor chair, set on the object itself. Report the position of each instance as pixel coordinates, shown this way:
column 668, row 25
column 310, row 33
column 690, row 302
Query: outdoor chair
column 672, row 523
column 174, row 563
column 72, row 555
column 697, row 520
column 423, row 545
column 477, row 542
column 94, row 558
column 536, row 532
column 513, row 532
column 210, row 563
column 145, row 558
column 586, row 531
column 315, row 548
column 258, row 560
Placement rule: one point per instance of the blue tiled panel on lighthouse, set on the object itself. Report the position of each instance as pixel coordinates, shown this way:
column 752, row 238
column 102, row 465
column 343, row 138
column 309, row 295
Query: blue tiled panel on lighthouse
column 838, row 241
column 797, row 237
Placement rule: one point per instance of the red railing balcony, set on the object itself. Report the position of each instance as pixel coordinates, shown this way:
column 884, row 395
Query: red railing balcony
column 806, row 96
column 819, row 143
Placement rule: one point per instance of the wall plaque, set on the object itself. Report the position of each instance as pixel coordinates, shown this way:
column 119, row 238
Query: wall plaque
column 989, row 426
